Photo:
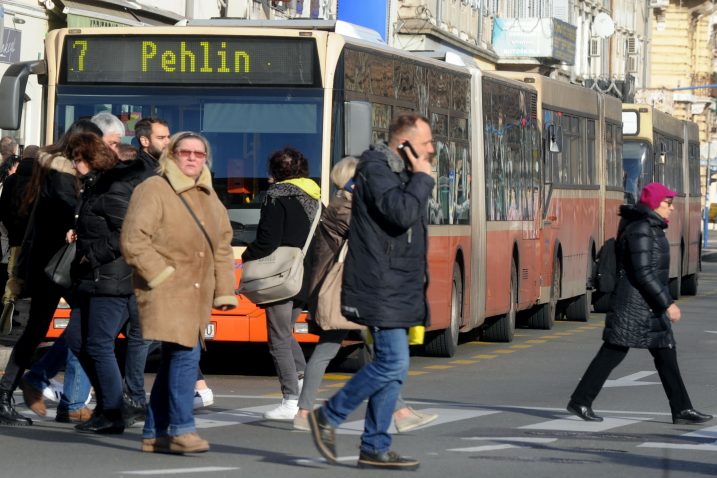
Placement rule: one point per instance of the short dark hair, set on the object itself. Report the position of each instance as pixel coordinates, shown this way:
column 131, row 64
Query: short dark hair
column 126, row 152
column 143, row 127
column 288, row 163
column 404, row 122
column 90, row 148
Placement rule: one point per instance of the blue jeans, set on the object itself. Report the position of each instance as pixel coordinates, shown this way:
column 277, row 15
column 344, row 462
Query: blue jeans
column 136, row 357
column 170, row 409
column 76, row 387
column 92, row 339
column 380, row 381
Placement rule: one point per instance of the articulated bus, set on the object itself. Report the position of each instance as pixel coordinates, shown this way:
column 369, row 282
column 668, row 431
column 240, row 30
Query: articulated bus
column 582, row 150
column 659, row 147
column 500, row 219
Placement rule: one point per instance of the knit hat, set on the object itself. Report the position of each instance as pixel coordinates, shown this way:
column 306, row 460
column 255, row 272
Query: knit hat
column 654, row 193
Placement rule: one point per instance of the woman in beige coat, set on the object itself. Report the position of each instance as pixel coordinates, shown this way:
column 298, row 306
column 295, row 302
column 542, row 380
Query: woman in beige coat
column 181, row 272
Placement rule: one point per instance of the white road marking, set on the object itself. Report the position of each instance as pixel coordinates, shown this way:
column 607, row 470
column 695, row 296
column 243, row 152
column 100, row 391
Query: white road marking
column 575, row 424
column 177, row 471
column 711, row 331
column 445, row 415
column 631, row 380
column 322, row 461
column 709, row 433
column 512, row 442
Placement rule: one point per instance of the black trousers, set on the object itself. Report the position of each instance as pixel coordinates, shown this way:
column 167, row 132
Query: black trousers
column 44, row 298
column 609, row 356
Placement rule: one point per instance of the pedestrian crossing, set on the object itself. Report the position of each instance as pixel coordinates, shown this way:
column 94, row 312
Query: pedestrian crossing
column 550, row 424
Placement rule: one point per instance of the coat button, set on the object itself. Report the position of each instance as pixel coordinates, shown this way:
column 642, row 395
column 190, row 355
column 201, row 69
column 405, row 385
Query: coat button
column 196, row 285
column 201, row 254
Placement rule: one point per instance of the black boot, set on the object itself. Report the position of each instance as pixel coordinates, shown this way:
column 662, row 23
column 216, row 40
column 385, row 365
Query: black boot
column 132, row 411
column 8, row 414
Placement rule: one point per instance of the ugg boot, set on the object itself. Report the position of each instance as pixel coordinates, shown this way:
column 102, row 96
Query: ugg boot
column 8, row 414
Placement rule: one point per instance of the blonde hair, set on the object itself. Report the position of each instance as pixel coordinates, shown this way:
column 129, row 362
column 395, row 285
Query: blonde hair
column 343, row 171
column 168, row 153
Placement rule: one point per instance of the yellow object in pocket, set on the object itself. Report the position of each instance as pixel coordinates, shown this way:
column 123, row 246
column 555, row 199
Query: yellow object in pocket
column 416, row 335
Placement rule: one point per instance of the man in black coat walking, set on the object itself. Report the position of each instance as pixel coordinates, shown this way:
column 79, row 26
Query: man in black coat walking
column 384, row 285
column 641, row 308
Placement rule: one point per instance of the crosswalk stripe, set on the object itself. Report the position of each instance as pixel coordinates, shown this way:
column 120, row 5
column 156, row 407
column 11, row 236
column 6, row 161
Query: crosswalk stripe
column 575, row 424
column 445, row 415
column 511, row 442
column 707, row 433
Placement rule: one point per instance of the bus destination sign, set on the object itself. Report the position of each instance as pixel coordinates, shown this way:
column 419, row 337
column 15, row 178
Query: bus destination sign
column 175, row 59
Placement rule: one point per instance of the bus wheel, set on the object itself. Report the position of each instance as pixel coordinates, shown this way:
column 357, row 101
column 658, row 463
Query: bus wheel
column 674, row 287
column 543, row 316
column 502, row 329
column 445, row 342
column 689, row 285
column 601, row 302
column 578, row 308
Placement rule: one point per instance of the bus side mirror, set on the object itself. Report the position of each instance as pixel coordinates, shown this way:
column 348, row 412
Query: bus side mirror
column 12, row 91
column 555, row 135
column 357, row 127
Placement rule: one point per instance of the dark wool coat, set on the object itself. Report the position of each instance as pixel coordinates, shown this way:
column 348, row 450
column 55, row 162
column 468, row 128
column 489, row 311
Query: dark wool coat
column 52, row 217
column 11, row 199
column 99, row 267
column 178, row 279
column 637, row 315
column 386, row 273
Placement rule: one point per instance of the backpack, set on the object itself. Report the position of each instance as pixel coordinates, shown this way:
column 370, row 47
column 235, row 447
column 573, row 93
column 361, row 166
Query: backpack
column 606, row 270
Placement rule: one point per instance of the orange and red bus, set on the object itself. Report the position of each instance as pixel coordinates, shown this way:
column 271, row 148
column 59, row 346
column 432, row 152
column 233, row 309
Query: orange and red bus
column 520, row 204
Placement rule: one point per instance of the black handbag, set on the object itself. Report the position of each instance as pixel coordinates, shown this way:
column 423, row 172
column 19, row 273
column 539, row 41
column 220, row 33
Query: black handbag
column 58, row 268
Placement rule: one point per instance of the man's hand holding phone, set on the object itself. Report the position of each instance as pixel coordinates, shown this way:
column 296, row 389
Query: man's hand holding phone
column 413, row 161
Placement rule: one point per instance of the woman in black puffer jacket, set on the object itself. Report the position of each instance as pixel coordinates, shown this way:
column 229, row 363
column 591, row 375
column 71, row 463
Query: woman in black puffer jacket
column 641, row 308
column 102, row 278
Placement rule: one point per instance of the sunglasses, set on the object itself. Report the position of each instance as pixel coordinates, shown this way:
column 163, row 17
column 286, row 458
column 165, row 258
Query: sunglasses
column 187, row 153
column 668, row 201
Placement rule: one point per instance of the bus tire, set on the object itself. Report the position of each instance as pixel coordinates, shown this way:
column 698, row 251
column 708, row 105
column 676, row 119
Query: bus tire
column 502, row 328
column 601, row 302
column 578, row 308
column 444, row 343
column 689, row 284
column 543, row 316
column 674, row 287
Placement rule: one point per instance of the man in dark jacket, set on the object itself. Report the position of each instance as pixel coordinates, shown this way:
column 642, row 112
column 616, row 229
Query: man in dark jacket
column 384, row 285
column 153, row 137
column 641, row 308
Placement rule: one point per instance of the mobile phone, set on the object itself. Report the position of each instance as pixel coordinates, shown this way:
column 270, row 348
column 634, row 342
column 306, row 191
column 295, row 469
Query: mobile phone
column 401, row 149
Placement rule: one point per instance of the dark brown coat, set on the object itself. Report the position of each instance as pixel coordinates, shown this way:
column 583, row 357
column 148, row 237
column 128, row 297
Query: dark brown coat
column 328, row 239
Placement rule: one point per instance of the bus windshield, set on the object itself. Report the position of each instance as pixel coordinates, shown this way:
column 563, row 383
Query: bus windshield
column 243, row 126
column 637, row 168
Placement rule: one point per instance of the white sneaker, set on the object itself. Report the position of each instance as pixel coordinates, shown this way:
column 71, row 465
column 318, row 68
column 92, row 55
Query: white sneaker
column 203, row 398
column 53, row 392
column 286, row 411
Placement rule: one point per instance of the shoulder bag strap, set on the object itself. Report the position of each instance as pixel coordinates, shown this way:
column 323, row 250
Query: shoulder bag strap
column 313, row 228
column 194, row 216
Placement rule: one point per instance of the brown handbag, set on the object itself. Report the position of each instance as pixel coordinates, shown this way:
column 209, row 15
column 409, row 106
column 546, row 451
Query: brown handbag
column 328, row 308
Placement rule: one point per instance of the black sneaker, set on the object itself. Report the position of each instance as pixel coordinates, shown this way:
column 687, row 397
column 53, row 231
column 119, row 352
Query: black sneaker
column 323, row 434
column 389, row 460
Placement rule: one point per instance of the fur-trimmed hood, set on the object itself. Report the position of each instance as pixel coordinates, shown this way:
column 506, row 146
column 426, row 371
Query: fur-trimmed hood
column 56, row 162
